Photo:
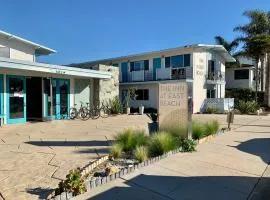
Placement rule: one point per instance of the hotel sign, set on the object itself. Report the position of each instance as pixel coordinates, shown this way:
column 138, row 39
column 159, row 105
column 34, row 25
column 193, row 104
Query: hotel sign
column 173, row 104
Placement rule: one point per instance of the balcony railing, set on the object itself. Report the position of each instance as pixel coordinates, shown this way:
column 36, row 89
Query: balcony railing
column 215, row 77
column 161, row 74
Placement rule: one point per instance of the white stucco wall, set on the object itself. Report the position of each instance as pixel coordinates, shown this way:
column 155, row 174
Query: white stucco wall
column 18, row 50
column 82, row 91
column 199, row 71
column 241, row 83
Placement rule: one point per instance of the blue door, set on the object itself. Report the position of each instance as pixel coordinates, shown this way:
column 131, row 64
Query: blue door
column 156, row 64
column 61, row 92
column 16, row 99
column 124, row 71
column 1, row 95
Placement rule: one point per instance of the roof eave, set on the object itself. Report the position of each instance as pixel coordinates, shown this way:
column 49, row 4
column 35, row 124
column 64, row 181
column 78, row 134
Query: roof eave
column 42, row 49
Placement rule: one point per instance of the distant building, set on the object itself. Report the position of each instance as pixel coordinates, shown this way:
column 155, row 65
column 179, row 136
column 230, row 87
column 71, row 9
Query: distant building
column 244, row 76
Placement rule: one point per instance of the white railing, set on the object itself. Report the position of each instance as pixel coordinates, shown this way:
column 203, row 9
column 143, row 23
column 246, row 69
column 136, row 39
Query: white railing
column 163, row 73
column 222, row 105
column 137, row 75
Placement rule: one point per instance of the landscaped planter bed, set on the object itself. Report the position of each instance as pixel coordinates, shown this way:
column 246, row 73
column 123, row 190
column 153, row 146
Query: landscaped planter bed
column 96, row 174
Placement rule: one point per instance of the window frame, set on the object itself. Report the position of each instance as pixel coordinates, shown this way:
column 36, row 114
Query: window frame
column 185, row 61
column 241, row 75
column 143, row 96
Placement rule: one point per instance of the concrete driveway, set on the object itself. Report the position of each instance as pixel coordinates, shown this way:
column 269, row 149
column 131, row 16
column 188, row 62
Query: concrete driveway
column 231, row 166
column 36, row 156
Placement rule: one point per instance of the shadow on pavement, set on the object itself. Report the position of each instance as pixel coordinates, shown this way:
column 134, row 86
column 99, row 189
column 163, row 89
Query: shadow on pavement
column 172, row 187
column 42, row 193
column 70, row 143
column 259, row 147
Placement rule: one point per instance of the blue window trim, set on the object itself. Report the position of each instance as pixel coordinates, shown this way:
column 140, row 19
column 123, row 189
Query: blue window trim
column 19, row 120
column 1, row 94
column 156, row 65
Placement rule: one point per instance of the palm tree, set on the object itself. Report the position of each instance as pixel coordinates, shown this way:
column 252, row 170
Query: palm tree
column 229, row 46
column 254, row 37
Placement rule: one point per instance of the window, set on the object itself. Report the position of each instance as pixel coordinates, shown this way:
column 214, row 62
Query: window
column 178, row 61
column 241, row 74
column 211, row 66
column 187, row 60
column 146, row 65
column 131, row 66
column 168, row 62
column 142, row 94
column 211, row 94
column 115, row 65
column 139, row 65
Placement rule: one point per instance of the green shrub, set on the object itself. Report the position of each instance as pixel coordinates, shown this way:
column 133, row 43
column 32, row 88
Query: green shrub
column 188, row 145
column 175, row 131
column 242, row 94
column 161, row 143
column 141, row 153
column 198, row 130
column 211, row 110
column 74, row 183
column 116, row 150
column 211, row 128
column 247, row 107
column 139, row 137
column 115, row 106
column 129, row 139
column 215, row 125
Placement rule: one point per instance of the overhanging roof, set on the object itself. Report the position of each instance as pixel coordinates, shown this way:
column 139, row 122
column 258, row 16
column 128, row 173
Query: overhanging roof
column 217, row 48
column 8, row 63
column 39, row 49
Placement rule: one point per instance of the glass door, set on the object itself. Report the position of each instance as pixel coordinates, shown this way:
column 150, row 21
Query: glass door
column 63, row 98
column 16, row 99
column 60, row 99
column 1, row 95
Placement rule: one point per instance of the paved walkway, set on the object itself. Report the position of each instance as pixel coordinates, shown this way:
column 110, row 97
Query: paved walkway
column 35, row 156
column 228, row 167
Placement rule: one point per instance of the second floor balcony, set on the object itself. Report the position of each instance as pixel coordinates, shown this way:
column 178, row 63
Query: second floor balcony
column 159, row 74
column 215, row 77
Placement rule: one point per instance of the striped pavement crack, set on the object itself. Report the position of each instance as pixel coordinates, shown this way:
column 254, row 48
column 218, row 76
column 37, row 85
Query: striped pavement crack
column 257, row 183
column 2, row 196
column 3, row 140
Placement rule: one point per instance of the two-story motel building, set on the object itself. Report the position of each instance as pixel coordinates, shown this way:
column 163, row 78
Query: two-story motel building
column 202, row 66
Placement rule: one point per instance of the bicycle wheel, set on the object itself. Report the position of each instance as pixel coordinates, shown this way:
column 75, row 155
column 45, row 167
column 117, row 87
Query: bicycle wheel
column 73, row 114
column 104, row 113
column 95, row 113
column 84, row 113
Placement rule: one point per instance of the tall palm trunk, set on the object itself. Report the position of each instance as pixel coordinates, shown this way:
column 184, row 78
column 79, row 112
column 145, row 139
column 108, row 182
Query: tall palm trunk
column 262, row 73
column 256, row 79
column 267, row 82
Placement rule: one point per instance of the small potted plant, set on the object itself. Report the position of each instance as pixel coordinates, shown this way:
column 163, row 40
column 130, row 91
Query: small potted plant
column 153, row 126
column 131, row 95
column 141, row 109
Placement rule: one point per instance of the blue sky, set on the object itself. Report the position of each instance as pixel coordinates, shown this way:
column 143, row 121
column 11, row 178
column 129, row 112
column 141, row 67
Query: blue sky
column 85, row 30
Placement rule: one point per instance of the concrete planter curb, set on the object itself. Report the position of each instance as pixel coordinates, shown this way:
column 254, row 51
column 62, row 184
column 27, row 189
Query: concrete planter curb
column 210, row 137
column 101, row 181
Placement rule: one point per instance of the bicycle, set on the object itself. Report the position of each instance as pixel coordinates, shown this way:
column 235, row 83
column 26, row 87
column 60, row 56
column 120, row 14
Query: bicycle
column 105, row 110
column 82, row 113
